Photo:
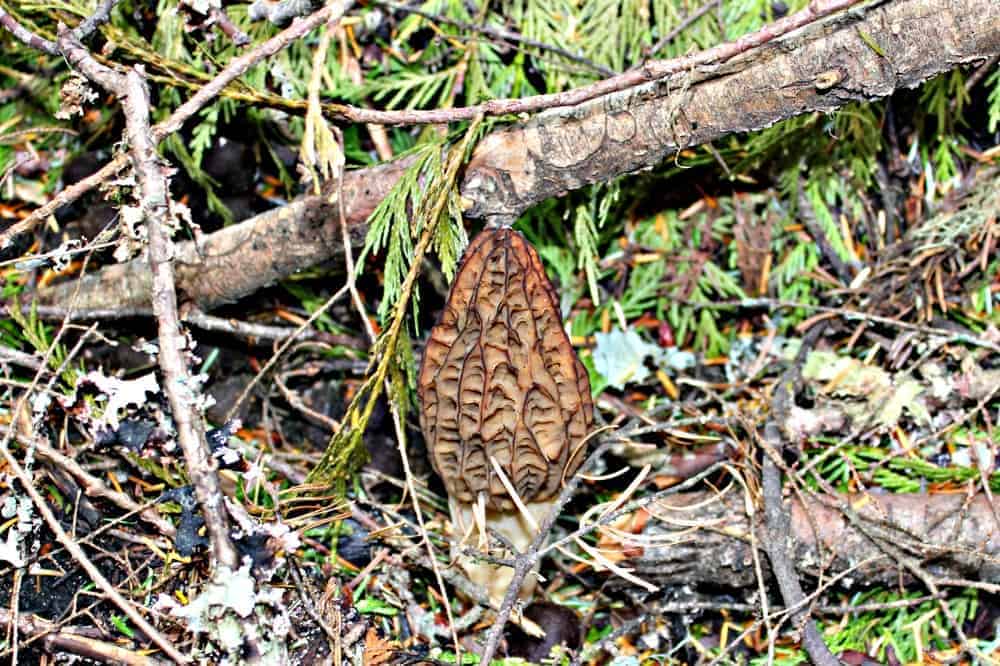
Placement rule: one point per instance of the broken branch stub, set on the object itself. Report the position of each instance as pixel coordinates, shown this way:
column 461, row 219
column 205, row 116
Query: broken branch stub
column 499, row 379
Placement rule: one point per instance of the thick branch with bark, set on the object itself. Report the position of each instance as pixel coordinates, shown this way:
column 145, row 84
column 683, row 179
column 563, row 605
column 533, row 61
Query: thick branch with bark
column 242, row 258
column 952, row 536
column 818, row 68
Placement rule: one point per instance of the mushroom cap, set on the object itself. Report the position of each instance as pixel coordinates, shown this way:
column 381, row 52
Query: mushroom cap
column 499, row 379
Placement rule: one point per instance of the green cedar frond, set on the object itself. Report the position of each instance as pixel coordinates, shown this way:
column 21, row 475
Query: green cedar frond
column 415, row 90
column 395, row 223
column 993, row 82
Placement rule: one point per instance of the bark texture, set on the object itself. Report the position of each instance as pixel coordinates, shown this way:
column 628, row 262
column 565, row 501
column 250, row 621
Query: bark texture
column 818, row 68
column 499, row 379
column 948, row 535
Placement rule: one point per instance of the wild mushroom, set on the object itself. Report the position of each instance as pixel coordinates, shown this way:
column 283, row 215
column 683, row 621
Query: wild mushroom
column 506, row 403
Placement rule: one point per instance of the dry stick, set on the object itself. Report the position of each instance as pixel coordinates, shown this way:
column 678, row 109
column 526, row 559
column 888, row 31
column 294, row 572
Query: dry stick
column 236, row 68
column 850, row 315
column 82, row 31
column 778, row 521
column 194, row 316
column 96, row 20
column 81, row 558
column 785, row 613
column 75, row 641
column 245, row 329
column 15, row 357
column 25, row 36
column 781, row 613
column 152, row 180
column 631, row 507
column 15, row 604
column 651, row 71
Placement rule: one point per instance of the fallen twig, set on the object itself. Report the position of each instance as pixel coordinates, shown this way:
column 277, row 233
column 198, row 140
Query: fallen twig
column 778, row 523
column 155, row 203
column 75, row 640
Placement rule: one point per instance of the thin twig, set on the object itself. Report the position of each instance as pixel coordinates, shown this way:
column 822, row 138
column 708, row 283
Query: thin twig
column 228, row 28
column 236, row 68
column 181, row 393
column 81, row 558
column 25, row 36
column 81, row 32
column 73, row 640
column 850, row 315
column 88, row 25
column 15, row 357
column 777, row 519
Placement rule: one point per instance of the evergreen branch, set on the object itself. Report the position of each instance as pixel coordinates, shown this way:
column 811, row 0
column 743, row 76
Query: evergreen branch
column 345, row 447
column 503, row 177
column 502, row 35
column 652, row 71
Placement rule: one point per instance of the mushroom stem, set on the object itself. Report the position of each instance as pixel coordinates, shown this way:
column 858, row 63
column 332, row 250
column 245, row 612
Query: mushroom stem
column 513, row 526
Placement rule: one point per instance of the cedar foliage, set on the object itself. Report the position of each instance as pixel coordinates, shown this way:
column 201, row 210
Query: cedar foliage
column 738, row 221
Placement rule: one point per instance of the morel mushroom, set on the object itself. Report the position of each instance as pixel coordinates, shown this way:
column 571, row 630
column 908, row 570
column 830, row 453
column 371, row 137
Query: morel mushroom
column 502, row 389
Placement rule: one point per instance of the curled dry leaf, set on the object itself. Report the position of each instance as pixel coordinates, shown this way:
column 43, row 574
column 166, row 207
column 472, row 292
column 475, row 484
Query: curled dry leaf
column 500, row 379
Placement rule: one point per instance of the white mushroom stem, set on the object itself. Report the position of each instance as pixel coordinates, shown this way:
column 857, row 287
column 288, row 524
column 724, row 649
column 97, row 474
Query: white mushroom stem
column 517, row 527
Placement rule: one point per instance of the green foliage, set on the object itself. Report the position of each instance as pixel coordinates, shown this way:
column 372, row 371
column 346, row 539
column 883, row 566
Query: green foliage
column 901, row 474
column 39, row 336
column 909, row 630
column 392, row 227
column 171, row 473
column 589, row 217
column 429, row 208
column 122, row 625
column 993, row 82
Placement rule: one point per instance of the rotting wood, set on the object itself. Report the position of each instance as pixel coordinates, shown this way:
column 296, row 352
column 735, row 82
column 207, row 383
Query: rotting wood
column 954, row 537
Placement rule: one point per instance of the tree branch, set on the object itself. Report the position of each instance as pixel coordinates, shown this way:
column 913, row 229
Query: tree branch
column 564, row 149
column 178, row 383
column 776, row 519
column 937, row 529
